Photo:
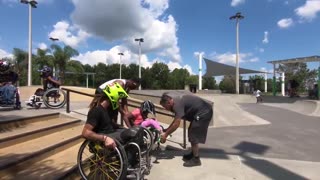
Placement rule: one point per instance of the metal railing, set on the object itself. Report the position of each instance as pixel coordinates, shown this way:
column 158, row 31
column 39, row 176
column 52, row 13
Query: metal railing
column 184, row 145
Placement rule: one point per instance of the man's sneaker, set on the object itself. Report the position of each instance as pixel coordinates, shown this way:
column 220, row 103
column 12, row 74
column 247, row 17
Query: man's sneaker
column 187, row 157
column 194, row 161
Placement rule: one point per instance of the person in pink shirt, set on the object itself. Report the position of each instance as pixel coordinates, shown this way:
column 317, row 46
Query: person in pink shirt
column 139, row 116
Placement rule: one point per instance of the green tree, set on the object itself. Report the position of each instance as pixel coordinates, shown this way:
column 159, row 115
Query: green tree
column 21, row 65
column 100, row 70
column 209, row 83
column 40, row 59
column 178, row 78
column 75, row 71
column 62, row 56
column 160, row 72
column 257, row 82
column 193, row 79
column 300, row 73
column 227, row 84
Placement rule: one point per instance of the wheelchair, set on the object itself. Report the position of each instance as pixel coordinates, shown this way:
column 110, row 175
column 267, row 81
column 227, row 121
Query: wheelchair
column 129, row 160
column 52, row 98
column 14, row 102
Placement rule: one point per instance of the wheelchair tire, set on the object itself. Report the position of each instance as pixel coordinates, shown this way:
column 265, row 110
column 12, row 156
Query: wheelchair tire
column 148, row 138
column 50, row 98
column 94, row 161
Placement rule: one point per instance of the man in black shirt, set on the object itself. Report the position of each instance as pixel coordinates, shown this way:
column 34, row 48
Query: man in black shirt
column 195, row 110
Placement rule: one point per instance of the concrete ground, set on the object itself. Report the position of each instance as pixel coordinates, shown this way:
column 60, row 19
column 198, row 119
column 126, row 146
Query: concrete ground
column 277, row 139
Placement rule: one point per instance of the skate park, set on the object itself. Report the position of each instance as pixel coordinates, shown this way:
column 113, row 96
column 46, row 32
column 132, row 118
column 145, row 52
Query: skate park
column 273, row 140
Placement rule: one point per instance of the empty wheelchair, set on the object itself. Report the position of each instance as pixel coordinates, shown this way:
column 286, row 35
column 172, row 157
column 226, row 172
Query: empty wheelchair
column 129, row 160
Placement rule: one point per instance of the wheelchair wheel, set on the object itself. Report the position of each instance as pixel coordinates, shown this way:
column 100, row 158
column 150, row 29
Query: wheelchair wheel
column 97, row 162
column 54, row 98
column 148, row 138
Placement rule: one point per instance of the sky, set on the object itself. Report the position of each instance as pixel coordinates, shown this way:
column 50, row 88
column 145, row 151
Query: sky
column 174, row 31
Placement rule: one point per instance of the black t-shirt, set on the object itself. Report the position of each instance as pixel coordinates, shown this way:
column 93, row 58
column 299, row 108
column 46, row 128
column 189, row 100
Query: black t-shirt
column 100, row 119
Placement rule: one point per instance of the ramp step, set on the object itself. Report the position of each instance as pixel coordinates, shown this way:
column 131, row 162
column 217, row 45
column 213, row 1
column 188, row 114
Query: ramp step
column 14, row 122
column 55, row 142
column 35, row 130
column 51, row 167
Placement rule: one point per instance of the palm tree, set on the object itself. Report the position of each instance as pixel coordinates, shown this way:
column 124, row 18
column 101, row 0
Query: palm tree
column 21, row 65
column 61, row 56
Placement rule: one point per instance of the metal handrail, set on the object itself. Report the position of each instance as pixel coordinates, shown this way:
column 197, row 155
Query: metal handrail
column 131, row 105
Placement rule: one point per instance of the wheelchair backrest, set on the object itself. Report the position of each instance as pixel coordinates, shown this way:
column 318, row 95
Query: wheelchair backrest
column 133, row 134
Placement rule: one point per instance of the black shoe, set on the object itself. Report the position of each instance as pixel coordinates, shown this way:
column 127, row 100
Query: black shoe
column 194, row 161
column 187, row 157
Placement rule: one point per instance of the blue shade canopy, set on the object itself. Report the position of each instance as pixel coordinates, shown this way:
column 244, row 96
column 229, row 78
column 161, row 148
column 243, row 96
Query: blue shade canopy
column 219, row 69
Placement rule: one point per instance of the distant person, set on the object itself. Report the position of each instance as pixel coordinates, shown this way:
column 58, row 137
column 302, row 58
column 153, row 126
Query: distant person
column 257, row 93
column 198, row 112
column 127, row 85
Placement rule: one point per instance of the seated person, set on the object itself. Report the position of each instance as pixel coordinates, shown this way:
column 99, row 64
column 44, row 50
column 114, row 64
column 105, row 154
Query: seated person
column 7, row 80
column 48, row 80
column 139, row 116
column 99, row 124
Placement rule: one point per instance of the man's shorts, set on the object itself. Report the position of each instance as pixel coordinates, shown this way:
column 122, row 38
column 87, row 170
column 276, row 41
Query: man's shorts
column 197, row 132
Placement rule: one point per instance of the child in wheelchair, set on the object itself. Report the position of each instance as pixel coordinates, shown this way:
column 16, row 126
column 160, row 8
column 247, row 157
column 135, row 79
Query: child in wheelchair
column 9, row 94
column 48, row 82
column 140, row 117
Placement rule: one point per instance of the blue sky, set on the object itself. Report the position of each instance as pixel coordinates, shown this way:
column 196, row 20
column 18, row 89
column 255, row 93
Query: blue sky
column 174, row 31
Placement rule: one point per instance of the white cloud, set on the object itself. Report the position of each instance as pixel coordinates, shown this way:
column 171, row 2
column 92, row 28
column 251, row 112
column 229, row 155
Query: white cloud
column 4, row 53
column 235, row 3
column 309, row 10
column 69, row 35
column 174, row 65
column 263, row 69
column 42, row 46
column 127, row 20
column 230, row 58
column 157, row 7
column 285, row 23
column 266, row 38
column 111, row 56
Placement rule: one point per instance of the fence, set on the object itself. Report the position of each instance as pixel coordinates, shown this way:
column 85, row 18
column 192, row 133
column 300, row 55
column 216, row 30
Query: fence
column 130, row 103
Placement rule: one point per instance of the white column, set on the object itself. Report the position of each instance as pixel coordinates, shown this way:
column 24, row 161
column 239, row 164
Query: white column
column 200, row 71
column 237, row 59
column 140, row 63
column 282, row 84
column 30, row 47
column 265, row 82
column 87, row 81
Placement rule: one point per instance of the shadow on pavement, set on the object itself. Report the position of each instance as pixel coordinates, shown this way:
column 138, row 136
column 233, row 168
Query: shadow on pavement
column 282, row 99
column 265, row 167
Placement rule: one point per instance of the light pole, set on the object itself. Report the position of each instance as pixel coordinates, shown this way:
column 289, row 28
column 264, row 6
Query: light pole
column 120, row 54
column 32, row 4
column 237, row 17
column 54, row 66
column 140, row 40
